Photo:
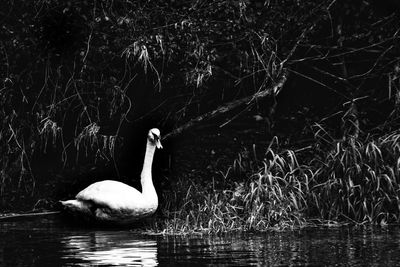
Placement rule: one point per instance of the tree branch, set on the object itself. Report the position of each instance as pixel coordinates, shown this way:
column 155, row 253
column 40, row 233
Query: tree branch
column 275, row 87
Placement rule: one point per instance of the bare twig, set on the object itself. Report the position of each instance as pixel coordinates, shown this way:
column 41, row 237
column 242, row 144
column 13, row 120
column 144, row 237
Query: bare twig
column 28, row 215
column 320, row 83
column 304, row 34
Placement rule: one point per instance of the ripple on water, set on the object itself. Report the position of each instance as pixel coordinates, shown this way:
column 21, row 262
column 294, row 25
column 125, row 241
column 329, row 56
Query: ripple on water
column 52, row 243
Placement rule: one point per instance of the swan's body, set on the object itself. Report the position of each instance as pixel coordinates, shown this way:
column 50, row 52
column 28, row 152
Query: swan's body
column 115, row 202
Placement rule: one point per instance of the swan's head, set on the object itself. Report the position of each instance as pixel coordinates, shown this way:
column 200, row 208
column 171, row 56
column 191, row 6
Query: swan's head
column 154, row 137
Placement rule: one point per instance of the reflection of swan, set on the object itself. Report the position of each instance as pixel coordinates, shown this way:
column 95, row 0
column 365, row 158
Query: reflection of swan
column 114, row 202
column 110, row 248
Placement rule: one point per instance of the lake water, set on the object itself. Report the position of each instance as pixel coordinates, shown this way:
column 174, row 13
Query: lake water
column 52, row 243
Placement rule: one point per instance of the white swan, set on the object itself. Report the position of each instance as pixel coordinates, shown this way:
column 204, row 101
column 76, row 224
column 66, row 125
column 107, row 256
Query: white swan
column 115, row 202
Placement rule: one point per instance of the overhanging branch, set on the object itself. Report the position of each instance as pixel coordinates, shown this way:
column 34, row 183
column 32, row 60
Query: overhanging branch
column 275, row 87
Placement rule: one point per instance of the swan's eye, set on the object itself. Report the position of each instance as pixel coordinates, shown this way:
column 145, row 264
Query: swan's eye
column 154, row 137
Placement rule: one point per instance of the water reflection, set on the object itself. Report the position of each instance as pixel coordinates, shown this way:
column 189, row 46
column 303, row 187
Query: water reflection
column 110, row 248
column 343, row 246
column 48, row 243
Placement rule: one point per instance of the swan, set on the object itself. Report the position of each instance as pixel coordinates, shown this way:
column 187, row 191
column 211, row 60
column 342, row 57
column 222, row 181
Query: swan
column 113, row 202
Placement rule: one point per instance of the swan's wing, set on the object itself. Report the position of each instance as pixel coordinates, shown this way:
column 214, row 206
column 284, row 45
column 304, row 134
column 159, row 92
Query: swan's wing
column 111, row 194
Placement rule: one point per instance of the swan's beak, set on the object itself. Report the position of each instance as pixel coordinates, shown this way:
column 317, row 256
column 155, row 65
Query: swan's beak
column 158, row 144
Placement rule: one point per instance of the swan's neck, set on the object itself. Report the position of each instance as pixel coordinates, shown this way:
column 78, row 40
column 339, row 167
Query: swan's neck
column 146, row 177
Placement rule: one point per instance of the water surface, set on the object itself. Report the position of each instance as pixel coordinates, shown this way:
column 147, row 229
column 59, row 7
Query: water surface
column 52, row 243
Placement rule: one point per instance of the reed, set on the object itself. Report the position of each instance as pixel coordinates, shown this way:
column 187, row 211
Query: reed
column 270, row 196
column 358, row 180
column 353, row 180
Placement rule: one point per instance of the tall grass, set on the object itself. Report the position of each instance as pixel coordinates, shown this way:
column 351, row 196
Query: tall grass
column 270, row 197
column 348, row 180
column 358, row 180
